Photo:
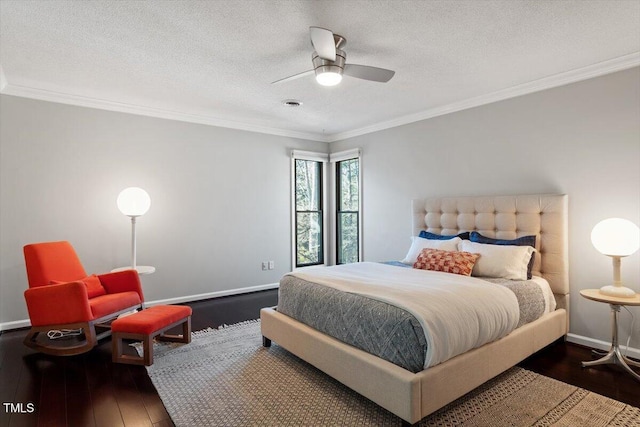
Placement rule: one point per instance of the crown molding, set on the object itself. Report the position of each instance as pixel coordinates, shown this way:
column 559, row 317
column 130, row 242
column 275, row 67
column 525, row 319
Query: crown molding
column 102, row 104
column 561, row 79
column 573, row 76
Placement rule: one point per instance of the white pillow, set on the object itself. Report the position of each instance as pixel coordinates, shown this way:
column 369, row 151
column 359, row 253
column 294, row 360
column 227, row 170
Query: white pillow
column 419, row 244
column 506, row 261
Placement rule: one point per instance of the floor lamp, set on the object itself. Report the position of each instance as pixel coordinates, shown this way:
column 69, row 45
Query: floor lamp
column 134, row 202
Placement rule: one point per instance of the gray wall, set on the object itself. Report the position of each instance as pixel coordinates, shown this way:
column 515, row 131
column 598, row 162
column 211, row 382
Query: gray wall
column 219, row 197
column 581, row 139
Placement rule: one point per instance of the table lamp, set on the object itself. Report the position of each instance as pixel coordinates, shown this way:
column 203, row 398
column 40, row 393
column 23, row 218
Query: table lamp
column 617, row 238
column 133, row 202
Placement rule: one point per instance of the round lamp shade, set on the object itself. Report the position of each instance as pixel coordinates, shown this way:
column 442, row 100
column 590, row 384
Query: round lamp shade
column 616, row 237
column 133, row 201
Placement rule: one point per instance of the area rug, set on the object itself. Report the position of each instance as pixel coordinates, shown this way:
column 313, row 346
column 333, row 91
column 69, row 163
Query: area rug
column 226, row 378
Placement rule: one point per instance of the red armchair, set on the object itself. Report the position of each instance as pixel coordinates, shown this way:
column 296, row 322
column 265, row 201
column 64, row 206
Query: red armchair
column 61, row 296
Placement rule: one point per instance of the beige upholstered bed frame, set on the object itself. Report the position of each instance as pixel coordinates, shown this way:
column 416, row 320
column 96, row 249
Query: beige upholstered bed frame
column 414, row 396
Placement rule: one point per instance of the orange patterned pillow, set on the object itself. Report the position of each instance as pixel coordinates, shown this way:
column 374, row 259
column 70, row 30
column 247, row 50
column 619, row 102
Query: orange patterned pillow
column 446, row 261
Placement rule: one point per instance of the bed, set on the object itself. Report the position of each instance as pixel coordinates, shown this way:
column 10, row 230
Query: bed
column 414, row 395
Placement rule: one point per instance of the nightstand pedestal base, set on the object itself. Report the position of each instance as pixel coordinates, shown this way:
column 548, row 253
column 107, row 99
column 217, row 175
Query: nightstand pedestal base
column 614, row 356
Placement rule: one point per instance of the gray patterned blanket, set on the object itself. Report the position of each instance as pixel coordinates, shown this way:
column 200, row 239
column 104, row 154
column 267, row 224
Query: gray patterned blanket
column 377, row 327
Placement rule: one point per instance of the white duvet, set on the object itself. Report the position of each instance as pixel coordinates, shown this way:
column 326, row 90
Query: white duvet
column 457, row 313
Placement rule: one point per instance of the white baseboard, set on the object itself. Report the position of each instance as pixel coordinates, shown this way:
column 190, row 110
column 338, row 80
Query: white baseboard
column 17, row 324
column 209, row 295
column 602, row 345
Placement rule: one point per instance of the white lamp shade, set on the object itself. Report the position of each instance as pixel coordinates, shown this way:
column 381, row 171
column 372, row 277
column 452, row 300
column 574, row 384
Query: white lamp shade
column 133, row 201
column 616, row 237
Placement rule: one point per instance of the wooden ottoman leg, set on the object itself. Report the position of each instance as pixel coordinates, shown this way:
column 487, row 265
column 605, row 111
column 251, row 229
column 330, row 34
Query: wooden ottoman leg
column 147, row 344
column 116, row 347
column 186, row 331
column 185, row 337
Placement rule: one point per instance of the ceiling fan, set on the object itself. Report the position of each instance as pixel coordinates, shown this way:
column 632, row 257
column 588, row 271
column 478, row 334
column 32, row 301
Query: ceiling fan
column 329, row 61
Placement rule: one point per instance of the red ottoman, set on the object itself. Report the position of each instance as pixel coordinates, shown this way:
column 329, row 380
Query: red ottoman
column 144, row 326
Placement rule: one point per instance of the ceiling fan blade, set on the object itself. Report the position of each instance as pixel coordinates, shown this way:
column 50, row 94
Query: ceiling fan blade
column 323, row 43
column 368, row 73
column 295, row 76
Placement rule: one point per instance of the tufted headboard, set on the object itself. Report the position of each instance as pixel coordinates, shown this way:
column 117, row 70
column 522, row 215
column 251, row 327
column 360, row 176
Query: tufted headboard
column 507, row 217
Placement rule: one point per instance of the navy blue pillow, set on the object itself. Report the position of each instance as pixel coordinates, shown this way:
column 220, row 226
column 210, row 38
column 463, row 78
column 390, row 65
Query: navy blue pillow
column 520, row 241
column 432, row 236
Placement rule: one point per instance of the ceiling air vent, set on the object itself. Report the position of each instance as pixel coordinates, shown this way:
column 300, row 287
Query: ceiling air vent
column 292, row 103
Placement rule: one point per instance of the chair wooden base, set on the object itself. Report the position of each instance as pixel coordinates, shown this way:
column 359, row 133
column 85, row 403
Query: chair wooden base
column 89, row 341
column 93, row 331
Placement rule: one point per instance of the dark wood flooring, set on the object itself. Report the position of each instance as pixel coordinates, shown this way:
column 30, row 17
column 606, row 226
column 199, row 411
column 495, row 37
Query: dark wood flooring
column 89, row 390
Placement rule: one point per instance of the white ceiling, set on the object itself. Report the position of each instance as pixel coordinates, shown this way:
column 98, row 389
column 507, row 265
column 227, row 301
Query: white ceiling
column 212, row 61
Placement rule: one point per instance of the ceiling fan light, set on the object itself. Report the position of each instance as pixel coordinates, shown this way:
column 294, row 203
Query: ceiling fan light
column 328, row 78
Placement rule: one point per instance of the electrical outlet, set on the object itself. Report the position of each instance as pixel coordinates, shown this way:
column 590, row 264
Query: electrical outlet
column 265, row 265
column 271, row 265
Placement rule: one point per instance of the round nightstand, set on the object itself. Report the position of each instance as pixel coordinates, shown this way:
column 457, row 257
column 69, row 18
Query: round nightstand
column 141, row 269
column 614, row 356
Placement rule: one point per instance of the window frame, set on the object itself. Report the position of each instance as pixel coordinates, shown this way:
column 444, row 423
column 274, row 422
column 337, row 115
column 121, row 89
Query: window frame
column 335, row 159
column 323, row 159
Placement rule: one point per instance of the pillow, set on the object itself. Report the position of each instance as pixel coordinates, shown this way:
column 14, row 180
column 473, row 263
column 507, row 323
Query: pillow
column 446, row 261
column 94, row 287
column 432, row 236
column 419, row 244
column 520, row 241
column 474, row 236
column 505, row 261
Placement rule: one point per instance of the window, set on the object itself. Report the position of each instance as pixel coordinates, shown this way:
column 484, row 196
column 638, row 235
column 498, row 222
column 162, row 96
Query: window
column 348, row 196
column 325, row 208
column 309, row 212
column 347, row 203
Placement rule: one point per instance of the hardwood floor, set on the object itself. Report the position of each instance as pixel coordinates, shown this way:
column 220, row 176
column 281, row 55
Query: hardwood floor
column 561, row 361
column 89, row 390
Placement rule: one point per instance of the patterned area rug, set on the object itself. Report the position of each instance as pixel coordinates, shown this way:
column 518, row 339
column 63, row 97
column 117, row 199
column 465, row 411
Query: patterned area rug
column 226, row 378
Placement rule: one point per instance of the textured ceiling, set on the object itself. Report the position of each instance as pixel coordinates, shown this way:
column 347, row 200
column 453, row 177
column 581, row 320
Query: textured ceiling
column 213, row 61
